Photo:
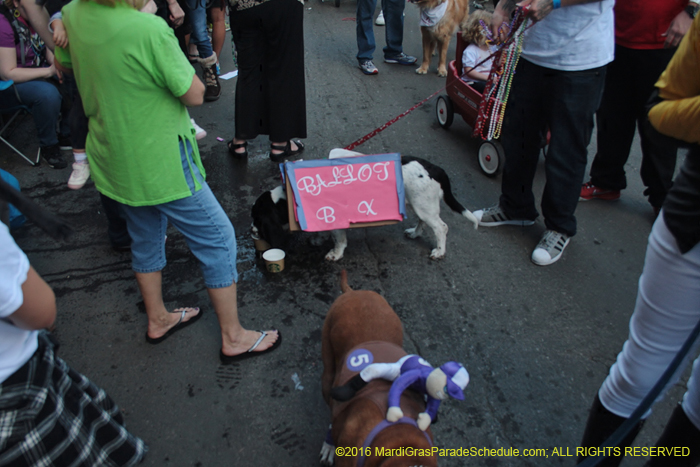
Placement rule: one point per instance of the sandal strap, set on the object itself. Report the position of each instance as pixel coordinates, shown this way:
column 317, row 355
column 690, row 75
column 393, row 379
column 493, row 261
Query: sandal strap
column 263, row 334
column 233, row 145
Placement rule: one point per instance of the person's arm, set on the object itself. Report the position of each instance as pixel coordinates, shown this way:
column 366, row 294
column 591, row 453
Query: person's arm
column 539, row 9
column 177, row 16
column 195, row 94
column 10, row 70
column 471, row 73
column 678, row 28
column 38, row 310
column 60, row 37
column 678, row 115
column 38, row 17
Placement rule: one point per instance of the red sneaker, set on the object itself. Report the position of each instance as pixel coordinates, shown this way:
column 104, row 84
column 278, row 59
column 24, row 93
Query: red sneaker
column 590, row 191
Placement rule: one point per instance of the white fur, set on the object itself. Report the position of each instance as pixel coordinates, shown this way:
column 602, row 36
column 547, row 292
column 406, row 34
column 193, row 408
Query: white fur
column 278, row 194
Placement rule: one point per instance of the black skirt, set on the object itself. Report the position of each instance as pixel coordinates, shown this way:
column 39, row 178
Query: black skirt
column 52, row 415
column 270, row 91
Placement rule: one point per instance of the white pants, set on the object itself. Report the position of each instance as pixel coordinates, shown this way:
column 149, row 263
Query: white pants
column 667, row 310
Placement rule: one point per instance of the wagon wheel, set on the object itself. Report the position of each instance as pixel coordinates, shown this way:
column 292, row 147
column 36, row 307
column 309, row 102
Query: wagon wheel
column 444, row 111
column 491, row 157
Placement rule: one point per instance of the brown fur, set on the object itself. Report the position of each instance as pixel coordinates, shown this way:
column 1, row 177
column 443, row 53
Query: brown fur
column 354, row 318
column 439, row 36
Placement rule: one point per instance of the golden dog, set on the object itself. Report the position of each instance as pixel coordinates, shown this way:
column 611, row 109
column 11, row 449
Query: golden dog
column 437, row 31
column 360, row 320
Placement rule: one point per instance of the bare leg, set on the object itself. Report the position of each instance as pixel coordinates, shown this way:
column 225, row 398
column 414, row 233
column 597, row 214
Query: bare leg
column 159, row 320
column 235, row 338
column 218, row 34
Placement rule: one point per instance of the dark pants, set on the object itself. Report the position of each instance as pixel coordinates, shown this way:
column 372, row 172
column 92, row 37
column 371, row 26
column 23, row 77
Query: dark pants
column 77, row 118
column 629, row 83
column 270, row 91
column 116, row 223
column 565, row 102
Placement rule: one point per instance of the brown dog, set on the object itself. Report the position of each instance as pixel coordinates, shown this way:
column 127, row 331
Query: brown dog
column 438, row 27
column 361, row 327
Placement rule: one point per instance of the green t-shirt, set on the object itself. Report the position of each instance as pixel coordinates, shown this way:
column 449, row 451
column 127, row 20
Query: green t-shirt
column 130, row 72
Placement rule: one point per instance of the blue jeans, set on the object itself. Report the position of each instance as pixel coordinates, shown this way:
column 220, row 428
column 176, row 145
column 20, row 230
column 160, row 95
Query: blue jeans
column 44, row 102
column 564, row 102
column 393, row 17
column 198, row 21
column 200, row 218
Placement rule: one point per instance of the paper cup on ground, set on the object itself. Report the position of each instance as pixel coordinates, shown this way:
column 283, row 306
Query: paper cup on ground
column 274, row 259
column 260, row 244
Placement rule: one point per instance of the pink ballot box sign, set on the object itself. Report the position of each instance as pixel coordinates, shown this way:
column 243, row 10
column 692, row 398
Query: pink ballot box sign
column 332, row 194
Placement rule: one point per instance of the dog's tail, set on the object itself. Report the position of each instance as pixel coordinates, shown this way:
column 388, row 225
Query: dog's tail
column 344, row 282
column 439, row 175
column 455, row 205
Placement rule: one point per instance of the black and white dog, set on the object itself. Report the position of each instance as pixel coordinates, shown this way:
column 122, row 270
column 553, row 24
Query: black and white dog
column 425, row 184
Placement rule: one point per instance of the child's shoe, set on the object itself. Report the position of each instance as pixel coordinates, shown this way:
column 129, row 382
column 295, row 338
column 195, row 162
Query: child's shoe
column 80, row 175
column 199, row 131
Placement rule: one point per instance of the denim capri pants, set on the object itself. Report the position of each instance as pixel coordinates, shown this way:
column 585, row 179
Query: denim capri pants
column 200, row 218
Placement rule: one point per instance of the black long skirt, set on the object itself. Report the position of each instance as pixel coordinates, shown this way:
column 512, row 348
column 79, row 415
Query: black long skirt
column 270, row 91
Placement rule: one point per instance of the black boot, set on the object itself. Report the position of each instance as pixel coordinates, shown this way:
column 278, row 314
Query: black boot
column 681, row 433
column 348, row 390
column 600, row 425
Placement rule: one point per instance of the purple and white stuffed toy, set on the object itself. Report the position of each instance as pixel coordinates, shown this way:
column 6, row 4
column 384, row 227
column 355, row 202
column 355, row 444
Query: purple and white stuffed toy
column 411, row 371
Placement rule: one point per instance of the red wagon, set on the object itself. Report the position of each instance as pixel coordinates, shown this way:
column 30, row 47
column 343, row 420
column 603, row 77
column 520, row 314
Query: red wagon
column 464, row 100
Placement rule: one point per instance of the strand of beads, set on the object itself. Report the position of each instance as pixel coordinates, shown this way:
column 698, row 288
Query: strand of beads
column 509, row 72
column 495, row 96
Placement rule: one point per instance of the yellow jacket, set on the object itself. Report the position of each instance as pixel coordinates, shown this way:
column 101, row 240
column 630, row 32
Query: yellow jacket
column 678, row 115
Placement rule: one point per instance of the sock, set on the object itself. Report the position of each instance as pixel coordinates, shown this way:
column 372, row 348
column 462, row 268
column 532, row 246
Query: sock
column 80, row 157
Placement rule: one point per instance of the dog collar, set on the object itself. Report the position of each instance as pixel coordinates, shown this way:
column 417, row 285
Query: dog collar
column 432, row 16
column 380, row 426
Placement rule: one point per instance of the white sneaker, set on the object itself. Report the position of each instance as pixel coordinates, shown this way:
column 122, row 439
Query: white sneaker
column 380, row 19
column 550, row 248
column 199, row 131
column 80, row 175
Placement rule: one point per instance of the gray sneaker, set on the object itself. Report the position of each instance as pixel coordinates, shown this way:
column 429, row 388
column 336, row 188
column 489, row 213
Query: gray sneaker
column 401, row 59
column 368, row 67
column 550, row 248
column 493, row 217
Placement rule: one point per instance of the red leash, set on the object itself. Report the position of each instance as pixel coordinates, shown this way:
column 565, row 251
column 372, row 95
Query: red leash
column 376, row 131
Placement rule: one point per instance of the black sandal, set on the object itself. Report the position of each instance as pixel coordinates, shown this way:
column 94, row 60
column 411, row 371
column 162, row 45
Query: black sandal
column 233, row 146
column 286, row 150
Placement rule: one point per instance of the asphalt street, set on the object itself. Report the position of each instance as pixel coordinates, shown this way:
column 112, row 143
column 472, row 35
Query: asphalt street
column 537, row 341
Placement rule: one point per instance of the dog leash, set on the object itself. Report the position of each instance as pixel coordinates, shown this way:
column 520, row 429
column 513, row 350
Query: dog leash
column 624, row 429
column 377, row 429
column 378, row 130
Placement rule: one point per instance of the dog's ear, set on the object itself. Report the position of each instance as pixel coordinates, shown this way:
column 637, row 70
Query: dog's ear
column 270, row 217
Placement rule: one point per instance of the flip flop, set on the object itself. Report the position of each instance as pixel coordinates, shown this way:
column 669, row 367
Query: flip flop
column 225, row 359
column 174, row 329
